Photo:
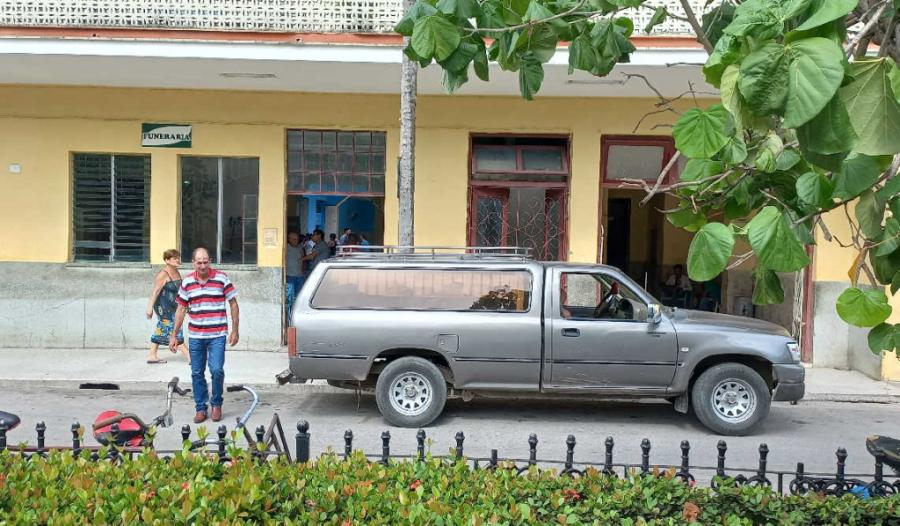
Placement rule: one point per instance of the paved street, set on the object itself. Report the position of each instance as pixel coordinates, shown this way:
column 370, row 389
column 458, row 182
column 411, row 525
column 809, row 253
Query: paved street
column 809, row 432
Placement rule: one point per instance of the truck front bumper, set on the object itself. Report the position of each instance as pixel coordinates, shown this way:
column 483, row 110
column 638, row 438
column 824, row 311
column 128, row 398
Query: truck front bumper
column 790, row 382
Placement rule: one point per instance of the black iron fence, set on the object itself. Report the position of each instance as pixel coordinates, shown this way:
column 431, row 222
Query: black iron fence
column 269, row 443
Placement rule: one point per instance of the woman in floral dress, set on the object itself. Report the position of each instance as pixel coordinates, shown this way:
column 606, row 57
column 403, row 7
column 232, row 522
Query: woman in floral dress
column 162, row 302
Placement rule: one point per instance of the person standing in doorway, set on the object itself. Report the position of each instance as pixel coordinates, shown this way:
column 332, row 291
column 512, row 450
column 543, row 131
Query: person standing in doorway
column 344, row 236
column 332, row 243
column 163, row 303
column 319, row 251
column 202, row 296
column 293, row 269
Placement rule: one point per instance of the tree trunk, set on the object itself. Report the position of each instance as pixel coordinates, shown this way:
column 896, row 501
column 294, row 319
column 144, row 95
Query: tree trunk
column 406, row 172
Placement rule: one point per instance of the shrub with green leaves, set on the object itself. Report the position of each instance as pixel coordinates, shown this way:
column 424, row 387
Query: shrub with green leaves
column 809, row 122
column 192, row 489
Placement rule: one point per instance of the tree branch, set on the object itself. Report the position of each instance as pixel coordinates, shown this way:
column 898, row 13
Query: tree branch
column 696, row 26
column 851, row 47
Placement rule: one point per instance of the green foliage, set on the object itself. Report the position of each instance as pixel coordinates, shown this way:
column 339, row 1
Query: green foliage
column 195, row 490
column 864, row 308
column 800, row 130
column 710, row 249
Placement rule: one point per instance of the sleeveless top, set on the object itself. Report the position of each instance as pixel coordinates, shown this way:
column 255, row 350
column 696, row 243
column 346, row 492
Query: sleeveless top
column 166, row 305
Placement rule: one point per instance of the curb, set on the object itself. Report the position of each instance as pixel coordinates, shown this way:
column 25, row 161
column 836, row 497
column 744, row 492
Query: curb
column 852, row 398
column 159, row 387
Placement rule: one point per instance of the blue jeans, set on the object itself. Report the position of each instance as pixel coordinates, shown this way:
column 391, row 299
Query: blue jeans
column 214, row 350
column 294, row 284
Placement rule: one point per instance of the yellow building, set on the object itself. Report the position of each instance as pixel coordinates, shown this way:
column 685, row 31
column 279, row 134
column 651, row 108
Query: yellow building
column 232, row 127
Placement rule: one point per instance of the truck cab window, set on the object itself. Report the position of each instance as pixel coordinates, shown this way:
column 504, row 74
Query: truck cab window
column 597, row 296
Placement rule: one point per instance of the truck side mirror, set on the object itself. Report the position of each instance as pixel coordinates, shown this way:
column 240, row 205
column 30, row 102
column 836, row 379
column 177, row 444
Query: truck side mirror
column 654, row 313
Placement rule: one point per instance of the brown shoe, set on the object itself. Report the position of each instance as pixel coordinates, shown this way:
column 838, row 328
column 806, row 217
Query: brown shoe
column 200, row 417
column 216, row 414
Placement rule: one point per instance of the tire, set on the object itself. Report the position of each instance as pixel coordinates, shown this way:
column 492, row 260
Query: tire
column 411, row 392
column 731, row 399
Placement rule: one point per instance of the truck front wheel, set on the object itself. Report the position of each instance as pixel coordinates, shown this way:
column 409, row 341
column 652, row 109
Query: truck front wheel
column 410, row 392
column 731, row 399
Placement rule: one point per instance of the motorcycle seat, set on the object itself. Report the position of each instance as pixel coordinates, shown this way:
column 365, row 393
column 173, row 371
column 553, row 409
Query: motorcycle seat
column 887, row 448
column 8, row 421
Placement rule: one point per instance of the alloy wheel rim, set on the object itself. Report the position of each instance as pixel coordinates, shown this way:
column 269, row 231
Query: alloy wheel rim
column 734, row 400
column 411, row 394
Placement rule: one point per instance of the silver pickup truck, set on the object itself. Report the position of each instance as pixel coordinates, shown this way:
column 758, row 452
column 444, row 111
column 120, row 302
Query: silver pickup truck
column 421, row 326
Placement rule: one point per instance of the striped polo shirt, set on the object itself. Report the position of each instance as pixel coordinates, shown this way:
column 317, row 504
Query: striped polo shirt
column 205, row 303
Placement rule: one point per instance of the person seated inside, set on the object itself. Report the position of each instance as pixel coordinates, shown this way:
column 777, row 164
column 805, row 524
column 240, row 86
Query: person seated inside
column 677, row 288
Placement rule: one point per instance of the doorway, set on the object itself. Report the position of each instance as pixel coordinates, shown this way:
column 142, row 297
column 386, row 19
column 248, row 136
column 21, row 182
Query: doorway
column 619, row 227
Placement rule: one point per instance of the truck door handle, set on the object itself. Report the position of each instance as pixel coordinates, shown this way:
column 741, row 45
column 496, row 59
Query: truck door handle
column 571, row 333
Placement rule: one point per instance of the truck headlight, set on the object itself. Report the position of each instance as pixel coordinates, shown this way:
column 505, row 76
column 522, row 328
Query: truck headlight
column 794, row 349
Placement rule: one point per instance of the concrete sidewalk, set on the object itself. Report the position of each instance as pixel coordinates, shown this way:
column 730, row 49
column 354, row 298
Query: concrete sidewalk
column 258, row 368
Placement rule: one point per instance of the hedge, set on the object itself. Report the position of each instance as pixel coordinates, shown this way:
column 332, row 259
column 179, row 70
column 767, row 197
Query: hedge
column 190, row 488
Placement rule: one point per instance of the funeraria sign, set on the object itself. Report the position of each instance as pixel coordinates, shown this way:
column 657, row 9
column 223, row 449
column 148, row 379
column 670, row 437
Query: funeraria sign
column 166, row 135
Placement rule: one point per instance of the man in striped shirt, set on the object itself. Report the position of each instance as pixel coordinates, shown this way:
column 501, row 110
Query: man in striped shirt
column 202, row 296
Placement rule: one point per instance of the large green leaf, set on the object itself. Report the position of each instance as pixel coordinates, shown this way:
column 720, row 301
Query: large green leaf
column 434, row 37
column 687, row 219
column 731, row 96
column 697, row 169
column 701, row 134
column 863, row 308
column 760, row 20
column 531, row 75
column 461, row 9
column 765, row 79
column 895, row 283
column 715, row 21
column 858, row 173
column 873, row 108
column 823, row 11
column 816, row 72
column 890, row 238
column 460, row 58
column 726, row 52
column 418, row 10
column 830, row 131
column 767, row 290
column 581, row 54
column 774, row 242
column 869, row 214
column 480, row 63
column 710, row 249
column 881, row 338
column 814, row 189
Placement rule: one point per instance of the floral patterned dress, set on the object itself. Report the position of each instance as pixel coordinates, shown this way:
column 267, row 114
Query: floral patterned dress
column 165, row 308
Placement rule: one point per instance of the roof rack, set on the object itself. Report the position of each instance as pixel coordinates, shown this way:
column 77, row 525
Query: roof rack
column 400, row 252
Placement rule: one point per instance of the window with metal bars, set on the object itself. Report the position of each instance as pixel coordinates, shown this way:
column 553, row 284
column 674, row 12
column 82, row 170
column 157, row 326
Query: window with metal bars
column 336, row 162
column 111, row 207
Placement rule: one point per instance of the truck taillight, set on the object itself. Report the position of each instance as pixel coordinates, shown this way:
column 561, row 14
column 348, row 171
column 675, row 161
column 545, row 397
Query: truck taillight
column 292, row 341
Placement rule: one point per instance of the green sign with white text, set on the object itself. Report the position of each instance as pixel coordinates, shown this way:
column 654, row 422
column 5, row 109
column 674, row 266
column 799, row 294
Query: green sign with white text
column 166, row 135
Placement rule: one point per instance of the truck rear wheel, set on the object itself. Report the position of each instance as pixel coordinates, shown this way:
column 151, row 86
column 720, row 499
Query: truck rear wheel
column 410, row 392
column 731, row 399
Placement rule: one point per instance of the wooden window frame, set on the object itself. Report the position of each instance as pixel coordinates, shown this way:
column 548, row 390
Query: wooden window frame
column 667, row 143
column 520, row 163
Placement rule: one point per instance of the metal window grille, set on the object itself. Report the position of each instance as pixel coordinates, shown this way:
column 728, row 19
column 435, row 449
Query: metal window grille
column 111, row 207
column 317, row 16
column 336, row 162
